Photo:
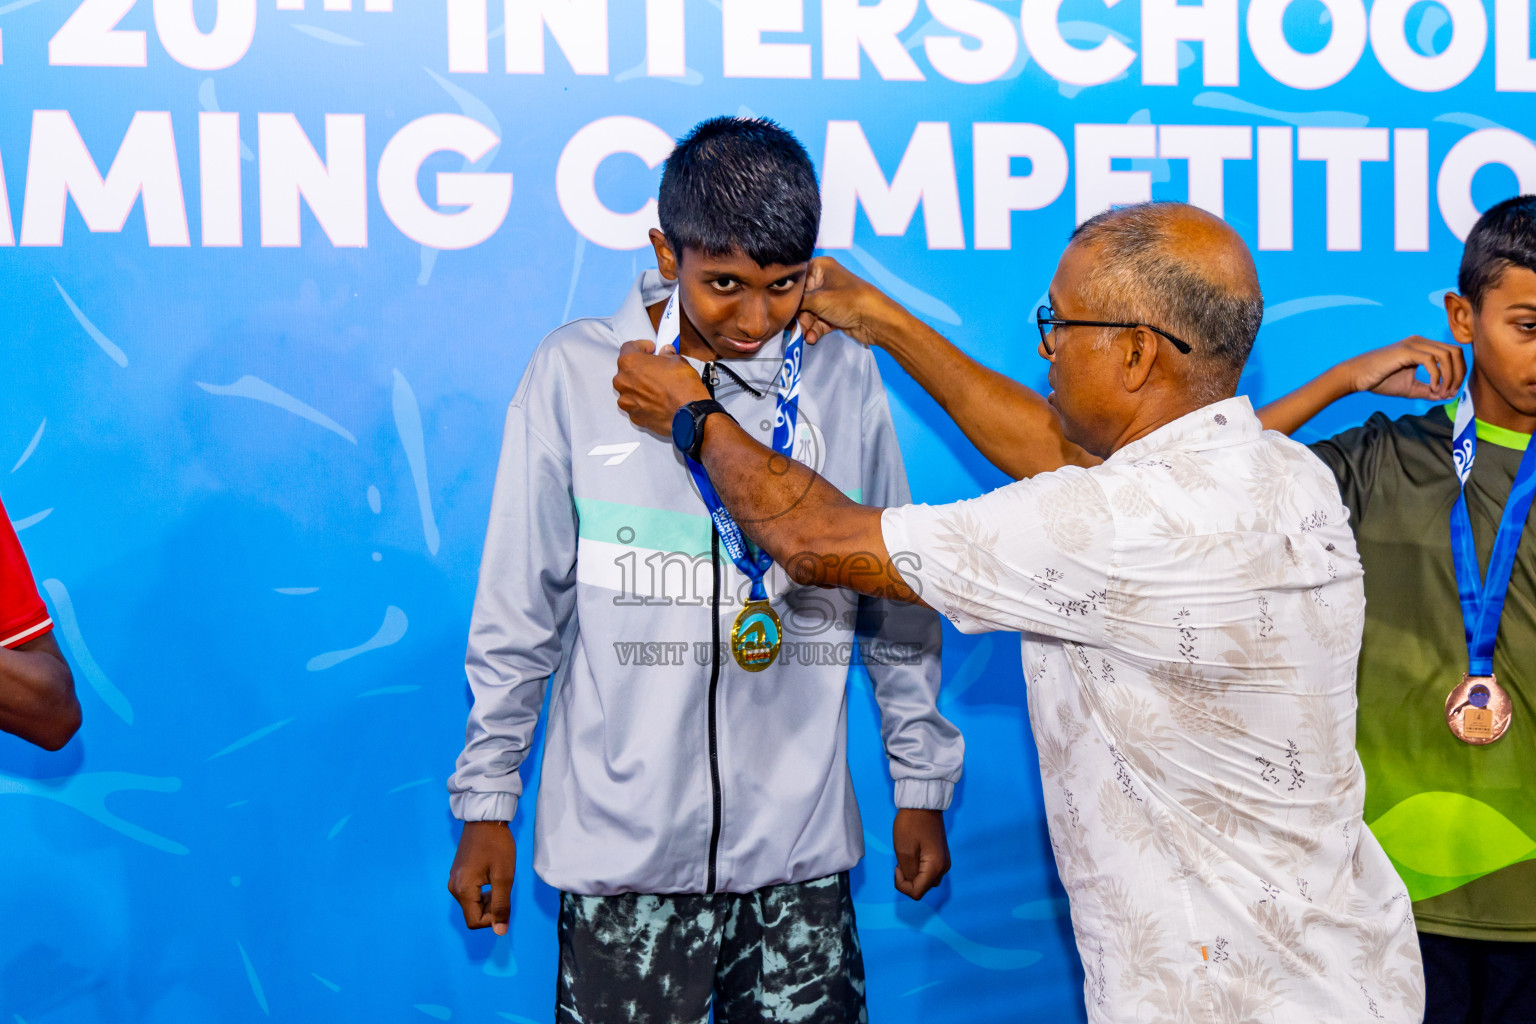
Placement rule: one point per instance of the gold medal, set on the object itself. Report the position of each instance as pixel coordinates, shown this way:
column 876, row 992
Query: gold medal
column 756, row 636
column 1478, row 710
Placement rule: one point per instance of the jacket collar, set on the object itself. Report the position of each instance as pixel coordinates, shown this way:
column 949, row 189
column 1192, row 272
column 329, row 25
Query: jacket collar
column 632, row 322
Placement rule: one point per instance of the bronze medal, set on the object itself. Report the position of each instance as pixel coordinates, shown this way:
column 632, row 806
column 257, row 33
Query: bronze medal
column 756, row 636
column 1478, row 711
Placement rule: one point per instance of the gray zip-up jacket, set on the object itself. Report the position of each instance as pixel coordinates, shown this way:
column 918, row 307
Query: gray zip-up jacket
column 668, row 768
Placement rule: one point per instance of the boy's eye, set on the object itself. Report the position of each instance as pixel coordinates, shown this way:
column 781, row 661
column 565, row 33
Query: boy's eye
column 723, row 284
column 784, row 285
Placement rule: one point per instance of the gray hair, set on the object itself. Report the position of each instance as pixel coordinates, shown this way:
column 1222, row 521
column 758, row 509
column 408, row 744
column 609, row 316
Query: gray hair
column 1212, row 306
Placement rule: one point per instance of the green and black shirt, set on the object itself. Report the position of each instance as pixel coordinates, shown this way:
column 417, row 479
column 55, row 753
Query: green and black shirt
column 1458, row 821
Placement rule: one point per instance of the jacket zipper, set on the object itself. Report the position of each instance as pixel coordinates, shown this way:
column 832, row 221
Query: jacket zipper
column 711, row 379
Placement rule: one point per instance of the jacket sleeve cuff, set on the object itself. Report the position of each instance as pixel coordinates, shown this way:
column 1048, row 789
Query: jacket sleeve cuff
column 483, row 806
column 924, row 794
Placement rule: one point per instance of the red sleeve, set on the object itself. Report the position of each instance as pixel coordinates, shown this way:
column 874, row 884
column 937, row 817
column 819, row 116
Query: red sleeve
column 23, row 616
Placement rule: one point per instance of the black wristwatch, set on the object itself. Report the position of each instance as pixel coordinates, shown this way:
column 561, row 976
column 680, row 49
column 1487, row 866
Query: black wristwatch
column 688, row 425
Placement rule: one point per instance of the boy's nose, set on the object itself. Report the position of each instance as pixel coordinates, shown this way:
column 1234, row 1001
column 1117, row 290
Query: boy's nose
column 752, row 318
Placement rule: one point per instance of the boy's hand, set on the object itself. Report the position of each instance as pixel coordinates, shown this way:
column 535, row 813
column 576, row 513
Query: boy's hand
column 838, row 300
column 653, row 385
column 487, row 855
column 1392, row 370
column 922, row 851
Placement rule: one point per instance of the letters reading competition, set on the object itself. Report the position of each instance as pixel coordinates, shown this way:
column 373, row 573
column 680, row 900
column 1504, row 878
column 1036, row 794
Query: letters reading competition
column 326, row 167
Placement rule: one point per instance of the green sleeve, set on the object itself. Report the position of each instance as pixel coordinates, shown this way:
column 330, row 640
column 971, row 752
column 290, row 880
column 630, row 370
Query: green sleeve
column 1354, row 456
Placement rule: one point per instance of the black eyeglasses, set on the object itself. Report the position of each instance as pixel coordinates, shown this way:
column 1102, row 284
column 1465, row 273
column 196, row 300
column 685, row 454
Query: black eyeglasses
column 1048, row 321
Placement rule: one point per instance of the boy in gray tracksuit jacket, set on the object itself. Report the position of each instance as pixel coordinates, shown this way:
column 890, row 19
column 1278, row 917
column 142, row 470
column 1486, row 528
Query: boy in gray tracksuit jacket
column 698, row 818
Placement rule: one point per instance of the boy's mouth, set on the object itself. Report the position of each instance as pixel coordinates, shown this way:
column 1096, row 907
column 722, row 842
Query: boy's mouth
column 743, row 346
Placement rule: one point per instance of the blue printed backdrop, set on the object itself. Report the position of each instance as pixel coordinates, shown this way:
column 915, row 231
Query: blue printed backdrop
column 253, row 484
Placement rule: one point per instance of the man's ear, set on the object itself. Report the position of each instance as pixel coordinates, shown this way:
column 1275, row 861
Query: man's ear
column 1140, row 355
column 1459, row 315
column 666, row 259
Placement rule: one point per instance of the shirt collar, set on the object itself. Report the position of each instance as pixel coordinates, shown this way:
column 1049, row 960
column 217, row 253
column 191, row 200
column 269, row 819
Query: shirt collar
column 1501, row 436
column 1218, row 425
column 632, row 322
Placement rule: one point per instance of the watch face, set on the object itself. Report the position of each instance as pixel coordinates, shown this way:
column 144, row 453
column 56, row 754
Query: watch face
column 682, row 429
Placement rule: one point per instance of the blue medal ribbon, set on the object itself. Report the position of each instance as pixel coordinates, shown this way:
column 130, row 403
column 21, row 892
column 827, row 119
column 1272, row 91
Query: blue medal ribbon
column 753, row 562
column 1482, row 601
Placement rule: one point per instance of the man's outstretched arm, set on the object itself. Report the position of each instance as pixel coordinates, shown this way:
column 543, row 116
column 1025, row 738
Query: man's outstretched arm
column 812, row 529
column 1390, row 370
column 1015, row 428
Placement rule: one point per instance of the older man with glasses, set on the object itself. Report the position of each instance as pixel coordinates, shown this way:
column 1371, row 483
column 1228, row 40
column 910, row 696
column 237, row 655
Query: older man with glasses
column 1190, row 604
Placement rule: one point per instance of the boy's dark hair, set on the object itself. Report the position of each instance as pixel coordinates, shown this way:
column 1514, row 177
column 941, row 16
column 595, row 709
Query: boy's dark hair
column 737, row 184
column 1503, row 237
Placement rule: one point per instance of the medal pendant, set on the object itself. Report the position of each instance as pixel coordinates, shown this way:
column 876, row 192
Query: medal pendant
column 756, row 636
column 1478, row 711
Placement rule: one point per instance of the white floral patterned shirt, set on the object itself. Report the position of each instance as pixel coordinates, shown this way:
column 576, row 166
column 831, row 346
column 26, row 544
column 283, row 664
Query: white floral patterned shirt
column 1191, row 613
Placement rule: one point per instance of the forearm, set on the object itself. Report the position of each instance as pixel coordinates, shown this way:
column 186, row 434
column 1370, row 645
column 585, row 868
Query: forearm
column 1014, row 427
column 37, row 696
column 812, row 529
column 510, row 659
column 1290, row 413
column 901, row 653
column 487, row 782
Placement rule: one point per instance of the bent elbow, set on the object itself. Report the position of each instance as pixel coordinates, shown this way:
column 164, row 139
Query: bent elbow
column 61, row 727
column 64, row 717
column 805, row 569
column 830, row 549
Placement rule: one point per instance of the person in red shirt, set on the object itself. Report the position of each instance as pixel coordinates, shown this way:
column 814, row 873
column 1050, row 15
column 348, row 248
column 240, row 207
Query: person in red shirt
column 37, row 691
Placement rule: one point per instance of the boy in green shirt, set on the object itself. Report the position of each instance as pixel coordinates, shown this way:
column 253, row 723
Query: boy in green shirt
column 1455, row 807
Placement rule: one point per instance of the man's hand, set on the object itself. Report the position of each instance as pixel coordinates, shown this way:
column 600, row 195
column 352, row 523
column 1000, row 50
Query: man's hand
column 838, row 300
column 1392, row 370
column 1016, row 429
column 653, row 385
column 487, row 856
column 922, row 851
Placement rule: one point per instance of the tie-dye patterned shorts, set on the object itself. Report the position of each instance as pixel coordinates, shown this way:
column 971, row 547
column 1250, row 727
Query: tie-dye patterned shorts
column 783, row 953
